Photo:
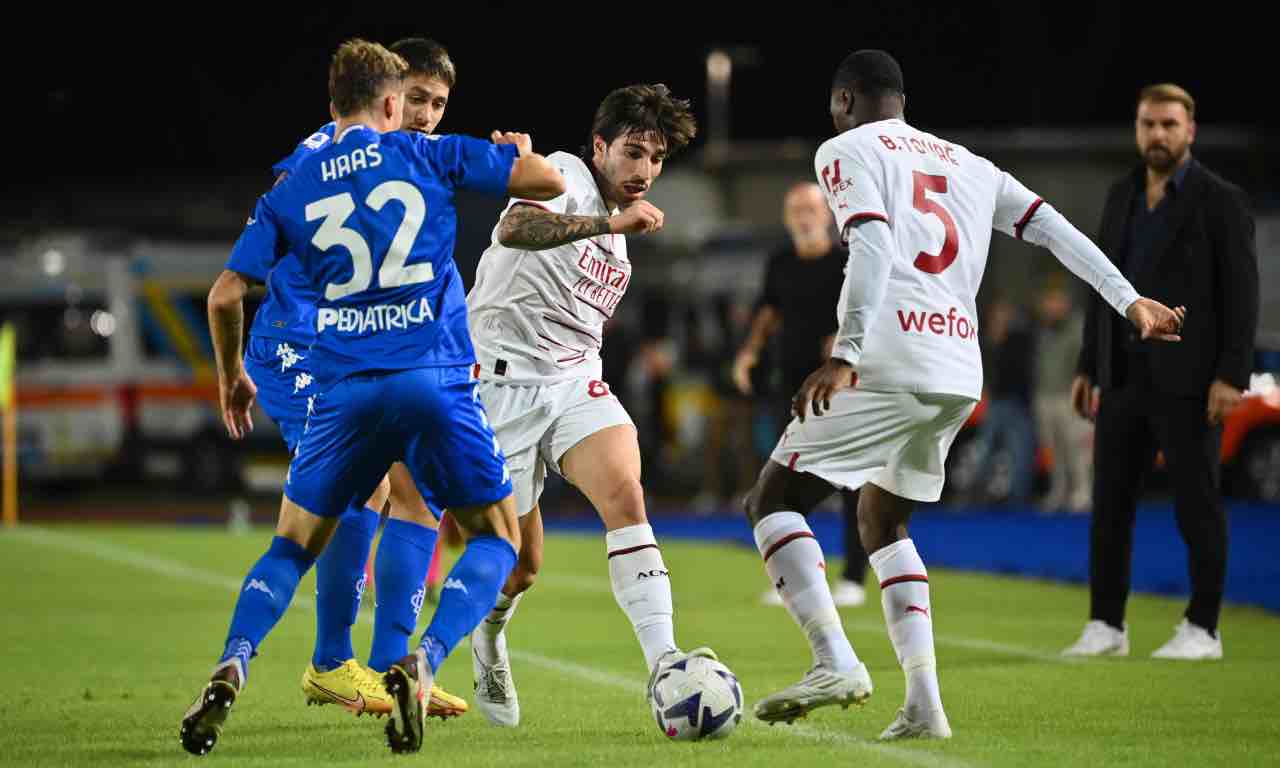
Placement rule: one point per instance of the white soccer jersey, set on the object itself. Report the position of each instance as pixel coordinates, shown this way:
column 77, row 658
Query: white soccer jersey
column 538, row 316
column 941, row 203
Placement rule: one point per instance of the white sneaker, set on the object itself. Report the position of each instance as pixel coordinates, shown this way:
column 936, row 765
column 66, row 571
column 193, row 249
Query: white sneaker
column 932, row 725
column 1100, row 639
column 771, row 596
column 495, row 690
column 821, row 687
column 848, row 594
column 1190, row 642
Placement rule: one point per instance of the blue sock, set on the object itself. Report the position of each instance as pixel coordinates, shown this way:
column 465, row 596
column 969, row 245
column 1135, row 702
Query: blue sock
column 266, row 594
column 399, row 572
column 340, row 584
column 469, row 592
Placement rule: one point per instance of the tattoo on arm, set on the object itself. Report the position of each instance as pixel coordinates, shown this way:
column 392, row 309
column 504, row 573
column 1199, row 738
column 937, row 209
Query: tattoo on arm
column 531, row 228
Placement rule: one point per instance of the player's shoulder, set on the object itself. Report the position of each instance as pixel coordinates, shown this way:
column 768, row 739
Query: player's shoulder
column 855, row 142
column 319, row 138
column 569, row 163
column 577, row 176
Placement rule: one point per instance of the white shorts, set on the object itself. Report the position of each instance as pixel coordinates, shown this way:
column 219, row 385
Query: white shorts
column 896, row 440
column 537, row 424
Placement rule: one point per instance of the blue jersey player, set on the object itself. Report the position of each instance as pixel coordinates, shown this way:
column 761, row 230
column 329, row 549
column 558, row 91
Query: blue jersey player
column 277, row 360
column 371, row 220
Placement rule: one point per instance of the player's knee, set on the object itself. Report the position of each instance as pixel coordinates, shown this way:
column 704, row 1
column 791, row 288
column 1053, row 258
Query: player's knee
column 413, row 513
column 625, row 503
column 761, row 501
column 380, row 495
column 751, row 506
column 877, row 531
column 522, row 576
column 498, row 520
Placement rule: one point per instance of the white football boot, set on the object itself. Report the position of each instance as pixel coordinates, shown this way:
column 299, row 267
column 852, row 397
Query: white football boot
column 495, row 688
column 1100, row 639
column 1190, row 642
column 821, row 687
column 928, row 725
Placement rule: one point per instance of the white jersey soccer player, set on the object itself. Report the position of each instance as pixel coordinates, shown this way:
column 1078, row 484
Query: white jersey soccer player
column 553, row 275
column 905, row 372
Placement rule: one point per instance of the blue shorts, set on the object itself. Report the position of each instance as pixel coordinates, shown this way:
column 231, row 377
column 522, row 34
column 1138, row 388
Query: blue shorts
column 429, row 418
column 284, row 384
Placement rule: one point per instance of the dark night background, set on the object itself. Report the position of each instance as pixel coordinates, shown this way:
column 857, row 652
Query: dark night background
column 216, row 90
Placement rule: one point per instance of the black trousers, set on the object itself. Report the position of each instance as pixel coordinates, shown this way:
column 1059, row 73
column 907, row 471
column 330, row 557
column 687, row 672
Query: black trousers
column 1132, row 423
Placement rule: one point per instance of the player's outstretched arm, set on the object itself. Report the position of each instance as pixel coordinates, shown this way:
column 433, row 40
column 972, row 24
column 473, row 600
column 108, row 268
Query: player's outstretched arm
column 236, row 391
column 530, row 228
column 532, row 176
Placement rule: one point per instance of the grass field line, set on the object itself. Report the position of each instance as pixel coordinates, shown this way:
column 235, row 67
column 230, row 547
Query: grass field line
column 146, row 562
column 587, row 584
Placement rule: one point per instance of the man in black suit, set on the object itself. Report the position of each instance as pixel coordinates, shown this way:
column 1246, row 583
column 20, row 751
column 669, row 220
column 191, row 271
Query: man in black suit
column 1182, row 235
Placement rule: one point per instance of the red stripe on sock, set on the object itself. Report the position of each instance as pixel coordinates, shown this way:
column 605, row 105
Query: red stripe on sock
column 629, row 550
column 901, row 579
column 794, row 458
column 790, row 537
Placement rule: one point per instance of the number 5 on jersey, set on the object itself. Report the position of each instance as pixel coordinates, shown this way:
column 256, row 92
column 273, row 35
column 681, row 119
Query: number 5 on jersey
column 337, row 209
column 934, row 263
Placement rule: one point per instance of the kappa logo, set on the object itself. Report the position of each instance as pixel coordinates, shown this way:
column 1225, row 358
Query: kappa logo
column 417, row 600
column 261, row 586
column 288, row 356
column 456, row 584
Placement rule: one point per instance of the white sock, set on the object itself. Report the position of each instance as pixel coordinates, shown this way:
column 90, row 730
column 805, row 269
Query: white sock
column 490, row 639
column 642, row 587
column 794, row 561
column 904, row 595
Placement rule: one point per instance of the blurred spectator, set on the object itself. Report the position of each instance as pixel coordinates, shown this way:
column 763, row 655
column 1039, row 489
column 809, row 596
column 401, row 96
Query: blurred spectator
column 730, row 461
column 1006, row 424
column 801, row 289
column 1066, row 436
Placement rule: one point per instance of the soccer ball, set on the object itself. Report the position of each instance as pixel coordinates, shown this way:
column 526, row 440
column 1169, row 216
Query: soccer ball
column 696, row 698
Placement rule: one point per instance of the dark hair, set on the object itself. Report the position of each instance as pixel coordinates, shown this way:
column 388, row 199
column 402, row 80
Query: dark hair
column 871, row 73
column 426, row 57
column 359, row 72
column 644, row 109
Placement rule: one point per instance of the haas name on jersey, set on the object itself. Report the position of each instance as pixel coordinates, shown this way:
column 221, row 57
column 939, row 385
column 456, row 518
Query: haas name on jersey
column 336, row 167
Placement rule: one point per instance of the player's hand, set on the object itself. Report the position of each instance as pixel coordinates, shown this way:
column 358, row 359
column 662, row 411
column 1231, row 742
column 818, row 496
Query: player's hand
column 523, row 141
column 1085, row 397
column 638, row 218
column 742, row 365
column 1223, row 399
column 1156, row 321
column 236, row 398
column 816, row 392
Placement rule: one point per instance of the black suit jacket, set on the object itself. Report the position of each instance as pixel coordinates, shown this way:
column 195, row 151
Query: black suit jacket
column 1206, row 261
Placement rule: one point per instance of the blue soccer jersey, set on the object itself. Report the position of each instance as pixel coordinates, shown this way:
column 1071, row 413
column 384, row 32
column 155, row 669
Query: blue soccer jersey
column 371, row 220
column 288, row 311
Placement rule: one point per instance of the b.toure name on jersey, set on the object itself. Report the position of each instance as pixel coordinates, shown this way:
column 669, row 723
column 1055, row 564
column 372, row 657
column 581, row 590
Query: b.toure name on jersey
column 374, row 318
